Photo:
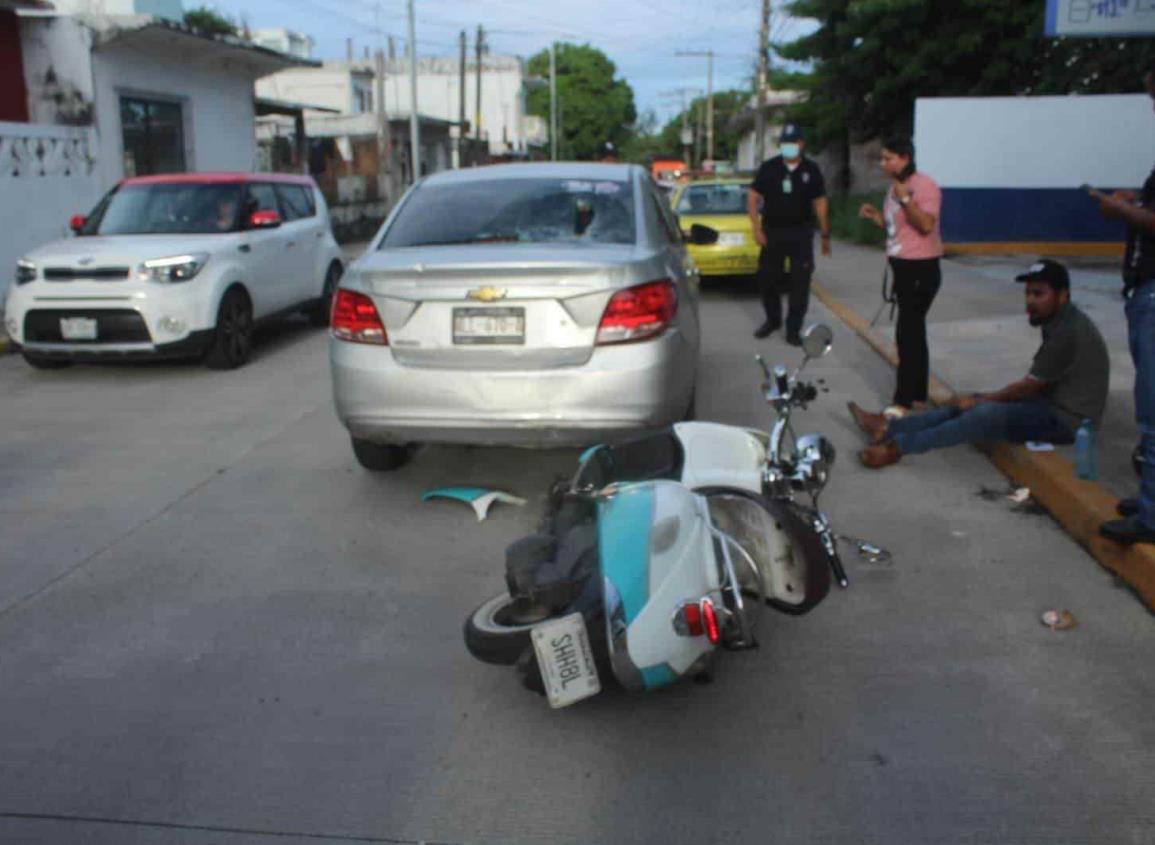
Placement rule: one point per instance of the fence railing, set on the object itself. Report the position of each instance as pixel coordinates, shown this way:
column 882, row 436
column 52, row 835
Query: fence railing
column 35, row 151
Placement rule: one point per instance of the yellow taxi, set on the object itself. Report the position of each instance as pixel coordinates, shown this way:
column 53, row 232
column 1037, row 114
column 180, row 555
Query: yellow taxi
column 721, row 205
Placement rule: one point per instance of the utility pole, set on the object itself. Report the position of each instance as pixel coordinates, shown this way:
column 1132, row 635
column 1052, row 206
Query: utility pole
column 709, row 56
column 461, row 104
column 480, row 47
column 384, row 139
column 763, row 82
column 414, row 127
column 553, row 101
column 685, row 139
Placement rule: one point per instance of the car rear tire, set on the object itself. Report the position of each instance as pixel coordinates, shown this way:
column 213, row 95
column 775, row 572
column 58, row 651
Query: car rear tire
column 381, row 457
column 42, row 363
column 232, row 342
column 319, row 313
column 498, row 631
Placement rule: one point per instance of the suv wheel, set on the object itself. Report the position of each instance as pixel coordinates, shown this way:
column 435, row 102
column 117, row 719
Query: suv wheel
column 381, row 457
column 233, row 336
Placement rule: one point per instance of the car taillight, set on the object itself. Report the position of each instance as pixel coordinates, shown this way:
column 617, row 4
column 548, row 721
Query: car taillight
column 710, row 621
column 355, row 319
column 639, row 312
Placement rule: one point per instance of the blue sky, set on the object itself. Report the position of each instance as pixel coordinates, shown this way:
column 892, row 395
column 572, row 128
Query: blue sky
column 640, row 36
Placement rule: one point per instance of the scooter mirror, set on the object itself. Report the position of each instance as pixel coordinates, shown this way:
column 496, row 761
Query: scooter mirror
column 817, row 340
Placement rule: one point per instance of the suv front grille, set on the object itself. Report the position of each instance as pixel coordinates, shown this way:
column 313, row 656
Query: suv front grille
column 67, row 274
column 113, row 325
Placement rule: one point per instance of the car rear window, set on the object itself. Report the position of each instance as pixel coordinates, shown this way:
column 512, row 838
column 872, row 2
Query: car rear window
column 516, row 211
column 713, row 199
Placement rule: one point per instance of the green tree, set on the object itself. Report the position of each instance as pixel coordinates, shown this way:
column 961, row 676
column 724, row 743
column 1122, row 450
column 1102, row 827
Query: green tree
column 595, row 106
column 210, row 22
column 873, row 58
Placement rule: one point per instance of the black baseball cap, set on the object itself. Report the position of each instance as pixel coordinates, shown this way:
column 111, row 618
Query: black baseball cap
column 792, row 132
column 1046, row 270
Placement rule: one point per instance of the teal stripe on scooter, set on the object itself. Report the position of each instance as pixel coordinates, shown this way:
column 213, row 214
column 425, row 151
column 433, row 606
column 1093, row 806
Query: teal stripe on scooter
column 658, row 676
column 624, row 544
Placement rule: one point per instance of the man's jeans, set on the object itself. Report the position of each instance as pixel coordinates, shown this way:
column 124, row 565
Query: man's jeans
column 1140, row 310
column 1016, row 422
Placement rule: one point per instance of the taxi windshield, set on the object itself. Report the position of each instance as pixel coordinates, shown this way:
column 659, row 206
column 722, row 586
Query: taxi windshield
column 713, row 199
column 161, row 209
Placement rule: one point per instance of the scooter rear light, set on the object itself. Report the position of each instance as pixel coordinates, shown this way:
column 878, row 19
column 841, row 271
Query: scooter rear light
column 355, row 319
column 637, row 313
column 692, row 617
column 695, row 618
column 710, row 620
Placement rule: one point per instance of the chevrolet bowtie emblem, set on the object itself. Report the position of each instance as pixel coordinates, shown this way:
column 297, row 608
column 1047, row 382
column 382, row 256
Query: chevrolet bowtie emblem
column 486, row 294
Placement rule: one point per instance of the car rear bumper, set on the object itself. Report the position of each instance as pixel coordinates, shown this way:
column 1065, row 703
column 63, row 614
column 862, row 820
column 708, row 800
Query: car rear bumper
column 621, row 389
column 726, row 260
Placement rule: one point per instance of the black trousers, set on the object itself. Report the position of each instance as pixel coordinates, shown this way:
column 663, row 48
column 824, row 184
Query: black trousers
column 916, row 282
column 775, row 281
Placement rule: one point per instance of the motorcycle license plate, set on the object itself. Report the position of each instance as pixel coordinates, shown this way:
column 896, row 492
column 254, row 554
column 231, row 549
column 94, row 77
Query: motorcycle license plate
column 566, row 660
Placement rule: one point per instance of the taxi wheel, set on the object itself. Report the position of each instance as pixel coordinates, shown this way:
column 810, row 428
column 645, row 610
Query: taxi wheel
column 380, row 457
column 319, row 313
column 499, row 630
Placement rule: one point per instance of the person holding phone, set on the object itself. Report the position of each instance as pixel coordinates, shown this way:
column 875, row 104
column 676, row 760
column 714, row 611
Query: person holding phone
column 910, row 216
column 1137, row 210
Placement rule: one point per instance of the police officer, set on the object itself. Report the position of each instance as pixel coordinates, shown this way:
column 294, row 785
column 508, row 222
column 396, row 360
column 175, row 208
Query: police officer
column 1137, row 210
column 786, row 198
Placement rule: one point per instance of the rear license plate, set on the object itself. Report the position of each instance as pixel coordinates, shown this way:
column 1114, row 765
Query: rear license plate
column 488, row 326
column 566, row 660
column 731, row 239
column 78, row 328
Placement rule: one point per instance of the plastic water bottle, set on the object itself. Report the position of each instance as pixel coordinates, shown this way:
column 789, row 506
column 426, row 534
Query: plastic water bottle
column 1086, row 463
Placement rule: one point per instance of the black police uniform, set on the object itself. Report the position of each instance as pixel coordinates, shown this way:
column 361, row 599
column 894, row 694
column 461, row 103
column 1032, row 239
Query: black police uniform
column 1139, row 260
column 788, row 221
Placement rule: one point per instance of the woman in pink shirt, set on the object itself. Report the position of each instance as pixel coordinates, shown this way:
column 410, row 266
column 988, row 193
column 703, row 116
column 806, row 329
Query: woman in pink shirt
column 910, row 217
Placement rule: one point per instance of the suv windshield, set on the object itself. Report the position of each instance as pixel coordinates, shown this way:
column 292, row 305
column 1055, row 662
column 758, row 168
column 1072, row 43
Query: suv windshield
column 516, row 211
column 713, row 199
column 166, row 209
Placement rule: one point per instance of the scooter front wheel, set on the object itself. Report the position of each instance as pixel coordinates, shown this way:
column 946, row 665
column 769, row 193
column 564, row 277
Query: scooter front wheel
column 499, row 630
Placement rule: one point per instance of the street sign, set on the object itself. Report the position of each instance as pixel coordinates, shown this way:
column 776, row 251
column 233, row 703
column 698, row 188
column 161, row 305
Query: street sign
column 1096, row 18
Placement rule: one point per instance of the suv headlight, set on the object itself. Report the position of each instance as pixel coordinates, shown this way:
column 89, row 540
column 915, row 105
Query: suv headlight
column 25, row 272
column 178, row 268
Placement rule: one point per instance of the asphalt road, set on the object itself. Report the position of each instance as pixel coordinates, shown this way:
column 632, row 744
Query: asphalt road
column 216, row 628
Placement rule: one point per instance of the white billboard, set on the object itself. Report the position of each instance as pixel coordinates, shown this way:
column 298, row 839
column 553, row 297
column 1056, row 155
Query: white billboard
column 1094, row 18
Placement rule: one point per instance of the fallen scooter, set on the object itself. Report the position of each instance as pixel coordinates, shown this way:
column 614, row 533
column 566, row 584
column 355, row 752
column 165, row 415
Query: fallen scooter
column 662, row 550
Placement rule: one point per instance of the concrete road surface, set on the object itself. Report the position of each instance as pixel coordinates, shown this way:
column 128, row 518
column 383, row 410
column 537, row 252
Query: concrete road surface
column 216, row 628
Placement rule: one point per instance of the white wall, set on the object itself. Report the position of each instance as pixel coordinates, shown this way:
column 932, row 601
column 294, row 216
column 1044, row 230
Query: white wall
column 1035, row 142
column 329, row 87
column 57, row 49
column 38, row 198
column 217, row 104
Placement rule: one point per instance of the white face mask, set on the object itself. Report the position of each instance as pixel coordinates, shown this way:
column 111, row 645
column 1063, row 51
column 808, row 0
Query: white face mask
column 790, row 150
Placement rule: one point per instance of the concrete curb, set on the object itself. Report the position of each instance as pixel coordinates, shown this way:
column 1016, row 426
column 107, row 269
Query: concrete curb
column 1078, row 506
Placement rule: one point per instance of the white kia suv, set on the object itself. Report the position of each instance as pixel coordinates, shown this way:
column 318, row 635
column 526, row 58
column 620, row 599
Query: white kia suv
column 177, row 265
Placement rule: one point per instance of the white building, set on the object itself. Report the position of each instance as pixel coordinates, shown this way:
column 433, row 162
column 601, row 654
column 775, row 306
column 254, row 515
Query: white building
column 349, row 88
column 283, row 41
column 90, row 100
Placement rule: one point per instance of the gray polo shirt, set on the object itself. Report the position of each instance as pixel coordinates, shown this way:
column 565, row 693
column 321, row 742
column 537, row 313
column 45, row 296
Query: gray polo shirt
column 1074, row 364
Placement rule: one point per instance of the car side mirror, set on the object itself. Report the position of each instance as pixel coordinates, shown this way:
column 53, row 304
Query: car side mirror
column 702, row 235
column 76, row 223
column 817, row 340
column 264, row 220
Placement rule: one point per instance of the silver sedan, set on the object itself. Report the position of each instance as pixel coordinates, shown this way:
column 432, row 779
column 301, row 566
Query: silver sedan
column 528, row 304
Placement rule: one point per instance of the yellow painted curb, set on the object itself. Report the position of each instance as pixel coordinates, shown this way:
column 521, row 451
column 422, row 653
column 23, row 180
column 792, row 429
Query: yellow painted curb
column 1079, row 506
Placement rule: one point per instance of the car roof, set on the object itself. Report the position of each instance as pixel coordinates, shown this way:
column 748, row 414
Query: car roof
column 217, row 178
column 536, row 170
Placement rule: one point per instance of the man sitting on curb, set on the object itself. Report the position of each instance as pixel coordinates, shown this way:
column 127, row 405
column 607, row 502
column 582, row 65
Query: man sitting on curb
column 1067, row 384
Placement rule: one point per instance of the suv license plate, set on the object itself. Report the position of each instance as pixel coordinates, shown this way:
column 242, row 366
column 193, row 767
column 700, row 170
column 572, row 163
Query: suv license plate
column 480, row 326
column 566, row 660
column 78, row 328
